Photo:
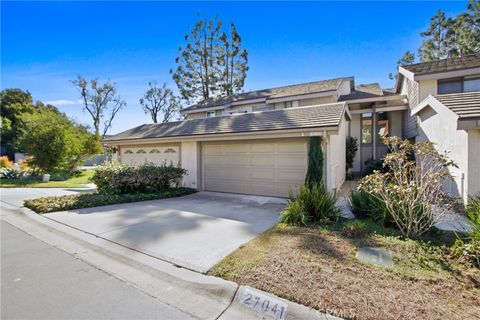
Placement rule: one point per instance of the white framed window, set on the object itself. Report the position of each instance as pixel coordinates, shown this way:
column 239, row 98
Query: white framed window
column 210, row 114
column 288, row 104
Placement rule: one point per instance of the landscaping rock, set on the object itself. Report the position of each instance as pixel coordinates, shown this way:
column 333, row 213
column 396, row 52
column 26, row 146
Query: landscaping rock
column 378, row 256
column 343, row 204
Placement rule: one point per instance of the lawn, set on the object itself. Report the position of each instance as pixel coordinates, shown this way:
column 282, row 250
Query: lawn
column 317, row 268
column 73, row 182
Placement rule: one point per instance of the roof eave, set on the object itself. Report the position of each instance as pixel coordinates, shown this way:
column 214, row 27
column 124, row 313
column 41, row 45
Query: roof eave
column 332, row 129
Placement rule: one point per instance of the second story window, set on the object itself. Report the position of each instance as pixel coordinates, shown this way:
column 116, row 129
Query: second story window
column 210, row 114
column 471, row 84
column 458, row 85
column 450, row 86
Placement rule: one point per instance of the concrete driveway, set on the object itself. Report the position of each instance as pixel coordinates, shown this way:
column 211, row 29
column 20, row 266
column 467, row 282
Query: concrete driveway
column 195, row 231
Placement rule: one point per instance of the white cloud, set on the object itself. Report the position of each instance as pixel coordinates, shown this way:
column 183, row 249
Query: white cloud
column 62, row 102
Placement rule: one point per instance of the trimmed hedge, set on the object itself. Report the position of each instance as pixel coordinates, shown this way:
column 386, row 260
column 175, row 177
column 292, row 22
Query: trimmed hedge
column 115, row 178
column 88, row 200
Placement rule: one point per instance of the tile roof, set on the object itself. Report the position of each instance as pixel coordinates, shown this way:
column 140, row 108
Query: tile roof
column 444, row 65
column 465, row 105
column 363, row 91
column 278, row 92
column 326, row 115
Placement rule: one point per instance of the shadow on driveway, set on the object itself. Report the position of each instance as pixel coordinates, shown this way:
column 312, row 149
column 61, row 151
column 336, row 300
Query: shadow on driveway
column 194, row 231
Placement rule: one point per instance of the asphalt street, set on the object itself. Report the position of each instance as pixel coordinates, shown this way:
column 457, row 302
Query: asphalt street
column 39, row 281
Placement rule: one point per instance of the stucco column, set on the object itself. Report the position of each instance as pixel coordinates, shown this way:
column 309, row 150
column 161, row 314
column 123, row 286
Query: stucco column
column 189, row 161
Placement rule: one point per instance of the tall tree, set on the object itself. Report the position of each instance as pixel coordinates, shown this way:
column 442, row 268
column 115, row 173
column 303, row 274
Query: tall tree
column 434, row 45
column 101, row 101
column 212, row 62
column 160, row 101
column 197, row 72
column 452, row 37
column 13, row 103
column 464, row 33
column 233, row 61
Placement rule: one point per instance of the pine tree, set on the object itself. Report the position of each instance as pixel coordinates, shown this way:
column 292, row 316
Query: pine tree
column 452, row 37
column 233, row 61
column 212, row 63
column 197, row 72
column 434, row 45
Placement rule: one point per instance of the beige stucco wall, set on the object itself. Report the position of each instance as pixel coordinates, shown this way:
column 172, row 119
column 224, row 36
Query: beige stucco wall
column 190, row 152
column 426, row 88
column 195, row 115
column 473, row 162
column 439, row 125
column 344, row 88
column 315, row 101
column 335, row 165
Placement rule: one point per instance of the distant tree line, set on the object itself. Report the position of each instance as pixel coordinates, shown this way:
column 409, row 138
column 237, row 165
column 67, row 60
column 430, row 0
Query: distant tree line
column 448, row 37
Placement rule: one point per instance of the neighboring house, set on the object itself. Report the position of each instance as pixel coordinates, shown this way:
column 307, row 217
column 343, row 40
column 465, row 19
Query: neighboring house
column 444, row 100
column 257, row 142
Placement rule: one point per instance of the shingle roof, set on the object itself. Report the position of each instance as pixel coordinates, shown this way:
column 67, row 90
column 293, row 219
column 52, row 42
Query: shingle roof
column 444, row 65
column 465, row 105
column 363, row 91
column 326, row 115
column 278, row 92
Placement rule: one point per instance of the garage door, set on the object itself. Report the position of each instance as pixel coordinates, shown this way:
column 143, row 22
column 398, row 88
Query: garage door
column 156, row 155
column 270, row 168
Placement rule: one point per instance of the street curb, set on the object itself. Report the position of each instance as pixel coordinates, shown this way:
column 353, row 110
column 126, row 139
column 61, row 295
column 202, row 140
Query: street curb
column 295, row 311
column 202, row 296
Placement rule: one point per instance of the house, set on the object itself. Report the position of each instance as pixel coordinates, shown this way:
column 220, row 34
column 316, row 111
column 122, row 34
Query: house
column 444, row 107
column 257, row 142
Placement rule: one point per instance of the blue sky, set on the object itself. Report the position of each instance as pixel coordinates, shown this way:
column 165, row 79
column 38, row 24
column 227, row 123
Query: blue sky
column 44, row 45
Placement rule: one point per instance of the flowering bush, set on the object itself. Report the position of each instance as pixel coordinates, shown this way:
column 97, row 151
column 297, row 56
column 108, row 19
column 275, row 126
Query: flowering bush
column 412, row 188
column 115, row 178
column 26, row 164
column 5, row 162
column 9, row 173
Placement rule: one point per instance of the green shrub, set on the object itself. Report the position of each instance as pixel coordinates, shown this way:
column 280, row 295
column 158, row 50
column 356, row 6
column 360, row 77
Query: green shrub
column 314, row 203
column 315, row 162
column 412, row 187
column 366, row 206
column 88, row 200
column 354, row 228
column 294, row 214
column 351, row 151
column 468, row 249
column 117, row 178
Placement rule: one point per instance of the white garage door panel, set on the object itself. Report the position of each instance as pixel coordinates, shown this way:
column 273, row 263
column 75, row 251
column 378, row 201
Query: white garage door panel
column 263, row 168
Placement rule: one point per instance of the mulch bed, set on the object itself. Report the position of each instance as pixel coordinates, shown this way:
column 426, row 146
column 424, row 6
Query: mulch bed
column 317, row 268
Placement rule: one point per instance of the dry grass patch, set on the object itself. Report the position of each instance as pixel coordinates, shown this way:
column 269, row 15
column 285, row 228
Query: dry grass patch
column 317, row 268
